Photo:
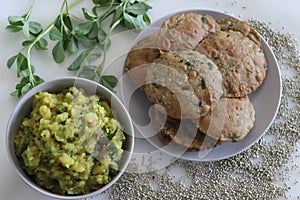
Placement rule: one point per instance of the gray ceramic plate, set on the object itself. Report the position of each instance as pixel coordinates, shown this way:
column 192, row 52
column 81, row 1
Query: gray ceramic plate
column 266, row 101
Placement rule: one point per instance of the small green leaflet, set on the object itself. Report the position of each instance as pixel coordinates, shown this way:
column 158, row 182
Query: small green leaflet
column 55, row 34
column 89, row 15
column 11, row 61
column 85, row 58
column 13, row 29
column 15, row 20
column 25, row 29
column 35, row 27
column 41, row 44
column 108, row 81
column 58, row 52
column 138, row 8
column 88, row 72
column 21, row 63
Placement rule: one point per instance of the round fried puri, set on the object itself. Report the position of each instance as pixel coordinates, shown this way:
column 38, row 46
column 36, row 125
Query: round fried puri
column 230, row 120
column 185, row 83
column 245, row 28
column 141, row 54
column 184, row 31
column 188, row 135
column 240, row 60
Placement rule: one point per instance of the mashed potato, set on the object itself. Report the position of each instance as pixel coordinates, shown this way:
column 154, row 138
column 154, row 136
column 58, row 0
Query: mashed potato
column 70, row 143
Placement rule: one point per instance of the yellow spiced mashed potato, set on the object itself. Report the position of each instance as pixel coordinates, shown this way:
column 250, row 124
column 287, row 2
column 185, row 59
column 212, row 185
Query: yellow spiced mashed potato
column 70, row 143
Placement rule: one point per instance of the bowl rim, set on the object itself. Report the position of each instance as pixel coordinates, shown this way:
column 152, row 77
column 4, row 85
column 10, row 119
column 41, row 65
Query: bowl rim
column 54, row 83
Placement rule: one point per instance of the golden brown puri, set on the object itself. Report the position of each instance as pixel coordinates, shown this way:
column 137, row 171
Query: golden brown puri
column 141, row 54
column 184, row 31
column 185, row 83
column 245, row 28
column 240, row 60
column 187, row 136
column 230, row 120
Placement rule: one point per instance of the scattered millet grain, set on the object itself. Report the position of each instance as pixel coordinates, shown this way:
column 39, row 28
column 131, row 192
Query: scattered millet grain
column 257, row 173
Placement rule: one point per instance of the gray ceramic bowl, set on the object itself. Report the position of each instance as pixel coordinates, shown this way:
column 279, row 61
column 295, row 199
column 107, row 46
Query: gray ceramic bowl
column 23, row 108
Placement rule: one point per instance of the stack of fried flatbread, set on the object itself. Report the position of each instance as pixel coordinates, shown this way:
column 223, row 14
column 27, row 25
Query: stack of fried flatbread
column 200, row 71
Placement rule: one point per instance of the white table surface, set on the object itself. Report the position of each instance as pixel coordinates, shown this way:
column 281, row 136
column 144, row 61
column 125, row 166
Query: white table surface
column 277, row 14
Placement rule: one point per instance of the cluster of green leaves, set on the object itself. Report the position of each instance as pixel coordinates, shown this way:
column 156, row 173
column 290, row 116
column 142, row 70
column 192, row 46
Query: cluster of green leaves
column 71, row 34
column 31, row 30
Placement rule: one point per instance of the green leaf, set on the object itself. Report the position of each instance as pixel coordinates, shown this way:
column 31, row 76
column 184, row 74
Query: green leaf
column 66, row 37
column 101, row 2
column 27, row 72
column 37, row 80
column 138, row 8
column 57, row 22
column 101, row 35
column 41, row 44
column 88, row 72
column 68, row 22
column 14, row 93
column 19, row 87
column 108, row 81
column 146, row 19
column 118, row 13
column 85, row 58
column 85, row 41
column 25, row 85
column 13, row 28
column 76, row 64
column 93, row 32
column 107, row 13
column 73, row 45
column 15, row 20
column 94, row 53
column 140, row 23
column 89, row 15
column 27, row 43
column 129, row 21
column 26, row 15
column 35, row 27
column 95, row 9
column 21, row 63
column 26, row 30
column 11, row 61
column 24, row 80
column 25, row 89
column 55, row 34
column 58, row 52
column 84, row 28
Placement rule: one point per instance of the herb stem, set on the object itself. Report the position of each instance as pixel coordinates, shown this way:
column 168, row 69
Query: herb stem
column 30, row 10
column 100, row 67
column 64, row 4
column 107, row 11
column 125, row 4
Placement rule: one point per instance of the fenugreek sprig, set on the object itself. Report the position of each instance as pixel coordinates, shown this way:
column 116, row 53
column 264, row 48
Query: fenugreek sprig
column 71, row 35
